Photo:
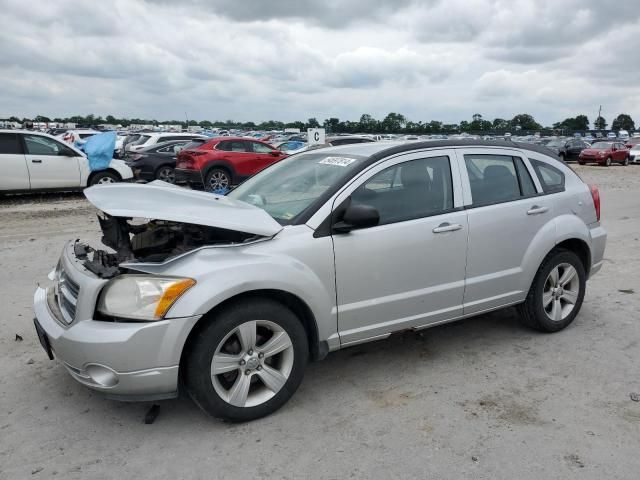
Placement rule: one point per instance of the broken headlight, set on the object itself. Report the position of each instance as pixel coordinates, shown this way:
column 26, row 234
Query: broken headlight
column 142, row 297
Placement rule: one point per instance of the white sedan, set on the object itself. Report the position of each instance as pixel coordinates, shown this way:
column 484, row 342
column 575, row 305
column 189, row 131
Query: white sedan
column 38, row 161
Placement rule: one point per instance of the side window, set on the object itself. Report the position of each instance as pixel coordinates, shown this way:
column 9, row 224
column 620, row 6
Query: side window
column 527, row 187
column 224, row 146
column 493, row 178
column 37, row 145
column 10, row 144
column 551, row 179
column 260, row 148
column 410, row 190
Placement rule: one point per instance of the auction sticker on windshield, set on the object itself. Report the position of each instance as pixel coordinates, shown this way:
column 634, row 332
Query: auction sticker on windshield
column 339, row 161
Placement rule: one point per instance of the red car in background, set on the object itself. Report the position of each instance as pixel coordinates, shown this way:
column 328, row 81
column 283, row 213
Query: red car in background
column 605, row 153
column 218, row 163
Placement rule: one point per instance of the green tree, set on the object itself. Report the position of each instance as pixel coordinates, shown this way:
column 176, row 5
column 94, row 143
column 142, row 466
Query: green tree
column 394, row 123
column 623, row 122
column 501, row 124
column 525, row 122
column 600, row 123
column 313, row 123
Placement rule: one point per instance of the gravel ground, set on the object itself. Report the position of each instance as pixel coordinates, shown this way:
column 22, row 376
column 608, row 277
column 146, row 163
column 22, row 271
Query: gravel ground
column 483, row 398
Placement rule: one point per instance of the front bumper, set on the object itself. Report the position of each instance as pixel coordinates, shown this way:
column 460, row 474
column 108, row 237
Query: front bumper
column 124, row 360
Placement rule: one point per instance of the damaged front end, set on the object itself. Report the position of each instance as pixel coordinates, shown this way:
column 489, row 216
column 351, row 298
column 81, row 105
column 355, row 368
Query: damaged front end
column 181, row 221
column 154, row 241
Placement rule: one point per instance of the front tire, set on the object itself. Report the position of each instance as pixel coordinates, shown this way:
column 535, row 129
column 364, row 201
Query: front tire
column 607, row 162
column 104, row 178
column 247, row 361
column 557, row 292
column 626, row 161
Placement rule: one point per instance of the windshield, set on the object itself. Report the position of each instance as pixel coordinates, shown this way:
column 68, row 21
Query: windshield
column 141, row 140
column 602, row 145
column 287, row 188
column 556, row 143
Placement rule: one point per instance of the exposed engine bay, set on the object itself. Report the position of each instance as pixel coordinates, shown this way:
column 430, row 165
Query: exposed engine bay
column 153, row 241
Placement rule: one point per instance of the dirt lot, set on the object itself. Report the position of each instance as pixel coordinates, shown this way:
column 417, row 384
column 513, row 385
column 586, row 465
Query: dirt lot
column 484, row 398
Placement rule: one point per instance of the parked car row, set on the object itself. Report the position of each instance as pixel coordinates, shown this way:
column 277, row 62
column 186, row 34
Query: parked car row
column 38, row 161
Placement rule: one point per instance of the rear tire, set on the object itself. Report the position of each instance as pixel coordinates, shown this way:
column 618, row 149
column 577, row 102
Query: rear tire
column 580, row 163
column 247, row 331
column 556, row 294
column 217, row 179
column 166, row 174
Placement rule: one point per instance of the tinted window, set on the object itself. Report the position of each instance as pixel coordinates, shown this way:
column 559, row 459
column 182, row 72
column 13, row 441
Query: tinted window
column 232, row 146
column 527, row 187
column 195, row 143
column 493, row 178
column 10, row 144
column 37, row 145
column 551, row 179
column 409, row 190
column 261, row 148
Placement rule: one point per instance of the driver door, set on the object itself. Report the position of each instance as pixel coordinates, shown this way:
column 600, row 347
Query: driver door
column 51, row 164
column 409, row 270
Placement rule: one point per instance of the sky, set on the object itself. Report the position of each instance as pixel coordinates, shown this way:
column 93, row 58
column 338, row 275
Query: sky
column 295, row 59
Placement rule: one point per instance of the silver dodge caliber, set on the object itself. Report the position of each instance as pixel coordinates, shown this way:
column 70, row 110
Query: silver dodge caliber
column 229, row 297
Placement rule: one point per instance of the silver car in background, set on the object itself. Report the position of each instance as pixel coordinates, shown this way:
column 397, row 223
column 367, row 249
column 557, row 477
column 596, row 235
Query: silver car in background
column 229, row 297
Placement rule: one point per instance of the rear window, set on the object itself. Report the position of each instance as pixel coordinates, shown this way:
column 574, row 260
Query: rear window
column 550, row 177
column 195, row 143
column 10, row 144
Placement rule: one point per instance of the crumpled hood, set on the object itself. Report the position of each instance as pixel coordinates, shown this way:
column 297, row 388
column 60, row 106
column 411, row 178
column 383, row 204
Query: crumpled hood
column 163, row 201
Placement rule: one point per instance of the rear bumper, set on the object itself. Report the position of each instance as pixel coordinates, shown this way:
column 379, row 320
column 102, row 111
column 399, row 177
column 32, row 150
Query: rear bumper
column 125, row 361
column 598, row 243
column 189, row 177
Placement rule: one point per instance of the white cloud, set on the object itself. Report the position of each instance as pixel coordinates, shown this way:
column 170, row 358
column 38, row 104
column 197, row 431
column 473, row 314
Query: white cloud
column 432, row 59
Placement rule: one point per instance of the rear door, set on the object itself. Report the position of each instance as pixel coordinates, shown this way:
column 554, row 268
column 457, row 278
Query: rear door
column 240, row 154
column 506, row 212
column 15, row 175
column 51, row 164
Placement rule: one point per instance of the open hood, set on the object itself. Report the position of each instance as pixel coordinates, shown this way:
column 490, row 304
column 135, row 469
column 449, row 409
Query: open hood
column 163, row 201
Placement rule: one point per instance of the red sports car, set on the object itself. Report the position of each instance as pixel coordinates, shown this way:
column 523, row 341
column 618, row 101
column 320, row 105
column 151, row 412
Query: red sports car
column 605, row 153
column 218, row 163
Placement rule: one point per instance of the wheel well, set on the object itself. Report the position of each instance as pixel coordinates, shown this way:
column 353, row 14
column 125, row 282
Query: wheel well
column 221, row 166
column 110, row 170
column 294, row 303
column 581, row 249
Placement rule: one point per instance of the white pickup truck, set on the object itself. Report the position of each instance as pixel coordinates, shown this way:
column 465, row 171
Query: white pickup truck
column 37, row 161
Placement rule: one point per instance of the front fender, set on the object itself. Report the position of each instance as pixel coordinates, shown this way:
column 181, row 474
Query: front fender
column 122, row 168
column 222, row 273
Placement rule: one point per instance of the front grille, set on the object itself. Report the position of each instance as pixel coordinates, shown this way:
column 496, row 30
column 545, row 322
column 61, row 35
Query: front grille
column 67, row 292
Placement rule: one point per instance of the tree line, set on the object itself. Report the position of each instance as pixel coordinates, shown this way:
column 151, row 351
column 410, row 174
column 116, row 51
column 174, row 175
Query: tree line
column 392, row 123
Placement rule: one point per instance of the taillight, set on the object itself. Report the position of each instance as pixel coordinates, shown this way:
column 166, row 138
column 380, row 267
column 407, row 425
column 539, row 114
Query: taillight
column 595, row 194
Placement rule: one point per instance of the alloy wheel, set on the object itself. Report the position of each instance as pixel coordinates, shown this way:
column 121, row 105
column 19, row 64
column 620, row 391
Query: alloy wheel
column 105, row 180
column 252, row 363
column 561, row 291
column 218, row 180
column 166, row 174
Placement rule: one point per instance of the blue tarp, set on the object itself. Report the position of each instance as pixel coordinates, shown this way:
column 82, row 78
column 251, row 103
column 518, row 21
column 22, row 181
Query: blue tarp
column 99, row 149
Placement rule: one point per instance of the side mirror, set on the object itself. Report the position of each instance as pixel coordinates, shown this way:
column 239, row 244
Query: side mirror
column 275, row 153
column 357, row 216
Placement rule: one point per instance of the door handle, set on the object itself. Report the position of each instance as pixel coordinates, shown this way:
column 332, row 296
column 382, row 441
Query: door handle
column 36, row 161
column 447, row 227
column 536, row 210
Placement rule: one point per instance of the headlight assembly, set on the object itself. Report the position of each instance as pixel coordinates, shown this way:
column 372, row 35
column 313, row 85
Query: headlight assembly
column 142, row 297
